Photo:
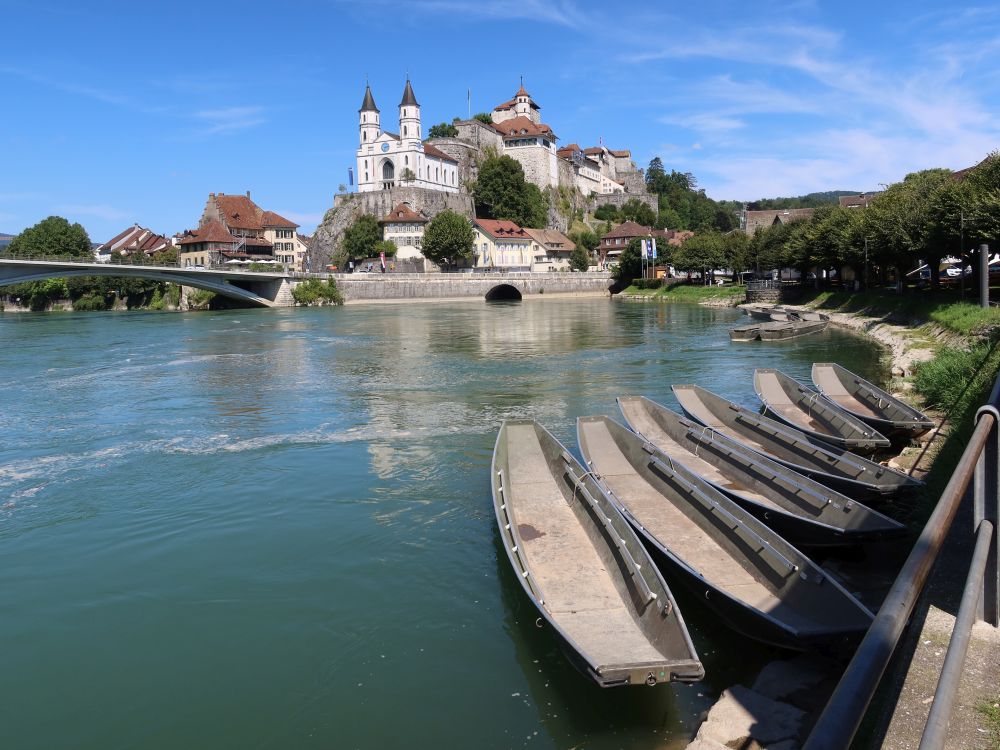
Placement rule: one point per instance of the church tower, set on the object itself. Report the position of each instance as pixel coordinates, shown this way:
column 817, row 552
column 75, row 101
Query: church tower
column 409, row 116
column 369, row 117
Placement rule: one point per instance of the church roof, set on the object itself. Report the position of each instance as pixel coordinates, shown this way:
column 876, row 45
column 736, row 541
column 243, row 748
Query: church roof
column 368, row 105
column 403, row 213
column 430, row 150
column 409, row 100
column 522, row 125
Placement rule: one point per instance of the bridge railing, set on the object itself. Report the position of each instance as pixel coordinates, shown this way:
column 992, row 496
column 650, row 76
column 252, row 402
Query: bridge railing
column 839, row 721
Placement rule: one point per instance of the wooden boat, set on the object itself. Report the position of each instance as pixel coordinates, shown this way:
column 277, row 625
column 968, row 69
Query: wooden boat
column 800, row 509
column 791, row 329
column 583, row 567
column 749, row 332
column 811, row 413
column 753, row 580
column 810, row 315
column 764, row 312
column 834, row 467
column 868, row 402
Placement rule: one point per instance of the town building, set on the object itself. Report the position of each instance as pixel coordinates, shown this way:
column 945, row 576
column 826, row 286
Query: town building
column 615, row 241
column 386, row 160
column 527, row 139
column 131, row 241
column 550, row 250
column 501, row 244
column 233, row 229
column 404, row 227
column 754, row 220
column 861, row 200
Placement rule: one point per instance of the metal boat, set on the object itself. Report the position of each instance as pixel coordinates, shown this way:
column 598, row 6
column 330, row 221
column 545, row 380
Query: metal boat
column 753, row 580
column 834, row 467
column 583, row 567
column 868, row 402
column 811, row 413
column 801, row 509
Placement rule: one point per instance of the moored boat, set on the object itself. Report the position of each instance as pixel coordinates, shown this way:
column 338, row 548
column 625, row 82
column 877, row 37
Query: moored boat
column 833, row 466
column 749, row 332
column 583, row 567
column 801, row 509
column 811, row 413
column 793, row 328
column 868, row 402
column 753, row 580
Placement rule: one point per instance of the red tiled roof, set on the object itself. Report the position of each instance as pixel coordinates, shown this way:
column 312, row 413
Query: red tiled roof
column 630, row 229
column 212, row 231
column 239, row 212
column 514, row 127
column 593, row 150
column 135, row 239
column 430, row 150
column 403, row 213
column 622, row 153
column 502, row 229
column 507, row 105
column 552, row 240
column 271, row 219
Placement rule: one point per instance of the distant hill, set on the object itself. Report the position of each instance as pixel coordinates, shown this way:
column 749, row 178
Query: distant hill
column 812, row 200
column 5, row 239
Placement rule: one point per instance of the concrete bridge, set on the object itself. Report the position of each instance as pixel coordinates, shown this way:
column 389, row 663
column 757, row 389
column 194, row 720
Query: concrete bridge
column 274, row 289
column 265, row 289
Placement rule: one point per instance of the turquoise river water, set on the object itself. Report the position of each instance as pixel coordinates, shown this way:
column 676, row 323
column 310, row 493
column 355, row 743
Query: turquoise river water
column 273, row 528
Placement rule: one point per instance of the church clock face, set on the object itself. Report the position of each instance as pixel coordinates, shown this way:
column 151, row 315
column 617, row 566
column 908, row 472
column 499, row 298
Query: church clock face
column 385, row 146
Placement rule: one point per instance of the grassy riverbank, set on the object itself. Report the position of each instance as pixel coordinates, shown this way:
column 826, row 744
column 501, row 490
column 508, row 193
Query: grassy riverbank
column 694, row 293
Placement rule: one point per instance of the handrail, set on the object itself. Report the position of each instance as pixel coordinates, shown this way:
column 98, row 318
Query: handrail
column 842, row 715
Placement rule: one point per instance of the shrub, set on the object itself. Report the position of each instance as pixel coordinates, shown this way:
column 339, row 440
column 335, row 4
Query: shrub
column 91, row 303
column 647, row 283
column 315, row 291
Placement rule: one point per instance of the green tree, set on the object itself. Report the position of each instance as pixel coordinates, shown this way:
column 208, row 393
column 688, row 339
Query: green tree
column 579, row 258
column 385, row 246
column 448, row 239
column 360, row 239
column 501, row 192
column 443, row 130
column 607, row 212
column 639, row 212
column 53, row 237
column 629, row 263
column 483, row 117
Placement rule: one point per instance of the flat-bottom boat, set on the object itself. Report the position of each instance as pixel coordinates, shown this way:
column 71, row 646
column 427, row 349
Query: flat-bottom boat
column 801, row 509
column 583, row 567
column 754, row 580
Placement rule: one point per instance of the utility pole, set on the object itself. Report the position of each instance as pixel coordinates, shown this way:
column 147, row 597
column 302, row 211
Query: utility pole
column 984, row 275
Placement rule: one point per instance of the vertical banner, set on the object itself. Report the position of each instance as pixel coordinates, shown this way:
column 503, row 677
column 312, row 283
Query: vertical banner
column 652, row 249
column 381, row 257
column 350, row 176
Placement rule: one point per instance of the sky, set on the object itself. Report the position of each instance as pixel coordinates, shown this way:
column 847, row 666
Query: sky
column 115, row 113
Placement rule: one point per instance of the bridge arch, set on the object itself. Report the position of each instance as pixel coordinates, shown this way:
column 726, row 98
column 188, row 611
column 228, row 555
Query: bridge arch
column 503, row 292
column 19, row 274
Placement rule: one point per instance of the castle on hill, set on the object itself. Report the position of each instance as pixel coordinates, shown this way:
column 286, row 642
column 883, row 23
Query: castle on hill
column 386, row 160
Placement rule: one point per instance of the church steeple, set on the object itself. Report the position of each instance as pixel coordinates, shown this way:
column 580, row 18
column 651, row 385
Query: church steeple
column 409, row 100
column 368, row 105
column 369, row 117
column 409, row 115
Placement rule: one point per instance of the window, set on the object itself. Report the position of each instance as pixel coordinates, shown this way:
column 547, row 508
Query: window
column 406, row 160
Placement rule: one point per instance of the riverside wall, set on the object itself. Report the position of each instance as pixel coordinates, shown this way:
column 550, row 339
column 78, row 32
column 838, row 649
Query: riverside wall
column 397, row 287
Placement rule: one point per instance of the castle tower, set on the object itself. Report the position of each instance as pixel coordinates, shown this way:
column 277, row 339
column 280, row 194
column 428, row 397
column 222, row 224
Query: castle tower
column 409, row 116
column 369, row 118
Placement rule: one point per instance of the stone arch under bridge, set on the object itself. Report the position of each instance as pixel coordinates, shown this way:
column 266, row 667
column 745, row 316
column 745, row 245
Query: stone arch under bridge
column 14, row 271
column 505, row 291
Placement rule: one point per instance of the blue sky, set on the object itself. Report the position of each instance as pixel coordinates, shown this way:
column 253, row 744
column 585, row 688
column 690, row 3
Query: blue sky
column 118, row 112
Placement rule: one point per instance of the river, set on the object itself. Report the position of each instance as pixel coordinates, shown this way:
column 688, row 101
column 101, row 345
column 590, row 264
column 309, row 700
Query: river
column 273, row 528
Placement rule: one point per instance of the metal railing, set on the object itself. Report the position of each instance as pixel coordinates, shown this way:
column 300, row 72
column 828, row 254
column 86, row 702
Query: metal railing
column 754, row 285
column 839, row 721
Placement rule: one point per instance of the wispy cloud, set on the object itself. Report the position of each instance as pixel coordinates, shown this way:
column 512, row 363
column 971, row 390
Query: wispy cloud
column 230, row 119
column 560, row 12
column 705, row 123
column 100, row 211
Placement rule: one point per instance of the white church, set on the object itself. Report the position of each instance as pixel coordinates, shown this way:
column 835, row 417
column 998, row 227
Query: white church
column 387, row 160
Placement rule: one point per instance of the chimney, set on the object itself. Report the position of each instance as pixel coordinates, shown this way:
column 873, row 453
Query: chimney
column 248, row 193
